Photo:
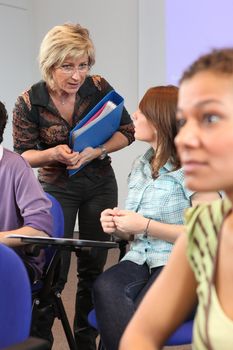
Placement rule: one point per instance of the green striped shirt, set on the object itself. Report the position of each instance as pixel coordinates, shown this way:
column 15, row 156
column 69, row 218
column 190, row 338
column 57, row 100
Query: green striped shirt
column 204, row 225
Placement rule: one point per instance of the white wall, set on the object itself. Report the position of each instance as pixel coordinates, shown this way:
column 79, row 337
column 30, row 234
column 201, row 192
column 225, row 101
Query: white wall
column 16, row 55
column 121, row 31
column 131, row 47
column 113, row 27
column 151, row 44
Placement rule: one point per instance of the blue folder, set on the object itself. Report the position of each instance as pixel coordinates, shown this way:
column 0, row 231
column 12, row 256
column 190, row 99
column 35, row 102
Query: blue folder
column 102, row 130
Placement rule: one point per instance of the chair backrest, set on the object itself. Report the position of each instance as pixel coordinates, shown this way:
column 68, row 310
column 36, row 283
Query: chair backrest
column 46, row 291
column 58, row 217
column 58, row 225
column 183, row 335
column 15, row 299
column 51, row 262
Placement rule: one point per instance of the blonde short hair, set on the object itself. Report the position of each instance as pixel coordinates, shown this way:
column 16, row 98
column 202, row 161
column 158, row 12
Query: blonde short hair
column 67, row 40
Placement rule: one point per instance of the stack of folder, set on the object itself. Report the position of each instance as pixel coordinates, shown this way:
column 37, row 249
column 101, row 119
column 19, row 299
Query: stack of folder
column 98, row 125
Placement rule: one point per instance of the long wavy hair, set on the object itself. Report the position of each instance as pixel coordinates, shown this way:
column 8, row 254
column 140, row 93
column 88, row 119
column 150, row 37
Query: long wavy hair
column 159, row 107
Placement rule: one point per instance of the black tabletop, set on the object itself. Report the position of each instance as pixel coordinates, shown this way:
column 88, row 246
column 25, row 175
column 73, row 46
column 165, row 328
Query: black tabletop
column 67, row 242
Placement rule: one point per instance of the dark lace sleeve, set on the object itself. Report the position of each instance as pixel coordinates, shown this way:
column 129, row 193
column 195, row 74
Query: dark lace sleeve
column 128, row 131
column 25, row 131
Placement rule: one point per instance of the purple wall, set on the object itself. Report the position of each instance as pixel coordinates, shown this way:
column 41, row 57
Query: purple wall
column 194, row 27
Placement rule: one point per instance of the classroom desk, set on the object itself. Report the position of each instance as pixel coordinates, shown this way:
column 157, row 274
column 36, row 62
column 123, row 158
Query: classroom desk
column 79, row 246
column 72, row 244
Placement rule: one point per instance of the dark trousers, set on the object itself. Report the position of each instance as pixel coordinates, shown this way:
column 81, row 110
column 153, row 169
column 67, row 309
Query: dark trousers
column 116, row 294
column 87, row 197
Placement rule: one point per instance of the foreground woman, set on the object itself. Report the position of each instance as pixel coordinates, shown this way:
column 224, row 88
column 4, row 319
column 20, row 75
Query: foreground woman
column 205, row 143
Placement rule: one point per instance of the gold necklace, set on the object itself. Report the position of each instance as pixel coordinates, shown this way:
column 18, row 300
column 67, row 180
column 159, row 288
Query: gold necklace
column 60, row 99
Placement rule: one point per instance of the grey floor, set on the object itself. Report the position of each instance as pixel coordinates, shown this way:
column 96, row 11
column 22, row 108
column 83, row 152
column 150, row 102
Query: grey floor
column 68, row 297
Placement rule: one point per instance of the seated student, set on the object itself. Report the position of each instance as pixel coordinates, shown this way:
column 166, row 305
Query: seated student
column 201, row 262
column 24, row 208
column 153, row 218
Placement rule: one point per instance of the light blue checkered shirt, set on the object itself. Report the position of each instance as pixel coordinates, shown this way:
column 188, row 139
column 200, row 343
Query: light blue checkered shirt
column 162, row 199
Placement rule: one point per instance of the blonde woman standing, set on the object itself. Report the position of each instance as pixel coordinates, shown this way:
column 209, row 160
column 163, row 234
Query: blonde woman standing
column 42, row 120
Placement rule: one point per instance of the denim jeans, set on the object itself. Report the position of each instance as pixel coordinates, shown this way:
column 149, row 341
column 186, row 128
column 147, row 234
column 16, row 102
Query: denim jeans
column 116, row 295
column 85, row 196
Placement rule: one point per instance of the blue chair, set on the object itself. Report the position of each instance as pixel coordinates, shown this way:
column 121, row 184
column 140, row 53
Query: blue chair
column 15, row 299
column 182, row 336
column 58, row 217
column 15, row 304
column 46, row 289
column 43, row 286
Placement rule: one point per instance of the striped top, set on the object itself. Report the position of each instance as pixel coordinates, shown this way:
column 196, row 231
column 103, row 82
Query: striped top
column 163, row 199
column 213, row 330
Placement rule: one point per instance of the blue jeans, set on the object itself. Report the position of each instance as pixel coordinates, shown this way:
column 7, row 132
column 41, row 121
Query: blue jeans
column 116, row 294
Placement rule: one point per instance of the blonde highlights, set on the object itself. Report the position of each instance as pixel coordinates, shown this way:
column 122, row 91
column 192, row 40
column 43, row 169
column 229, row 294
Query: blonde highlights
column 67, row 40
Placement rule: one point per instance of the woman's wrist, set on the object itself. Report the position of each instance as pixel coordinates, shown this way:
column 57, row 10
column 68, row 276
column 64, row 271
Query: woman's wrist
column 146, row 230
column 51, row 154
column 98, row 152
column 103, row 152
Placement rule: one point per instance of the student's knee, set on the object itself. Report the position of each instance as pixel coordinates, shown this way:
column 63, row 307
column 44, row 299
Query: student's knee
column 103, row 287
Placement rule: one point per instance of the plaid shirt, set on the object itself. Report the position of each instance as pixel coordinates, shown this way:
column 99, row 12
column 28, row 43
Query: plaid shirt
column 162, row 199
